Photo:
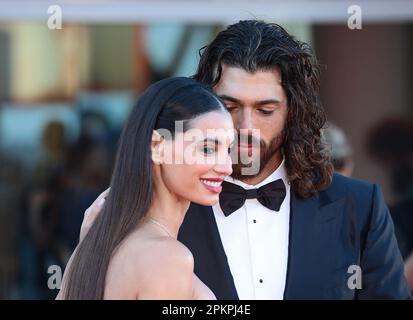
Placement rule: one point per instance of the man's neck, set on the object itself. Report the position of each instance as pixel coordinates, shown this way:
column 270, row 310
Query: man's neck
column 269, row 168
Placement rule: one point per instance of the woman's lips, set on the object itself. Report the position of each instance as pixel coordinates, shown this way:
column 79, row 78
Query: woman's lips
column 212, row 184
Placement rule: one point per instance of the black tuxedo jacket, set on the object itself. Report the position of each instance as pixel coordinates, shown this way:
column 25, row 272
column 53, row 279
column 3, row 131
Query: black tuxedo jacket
column 346, row 224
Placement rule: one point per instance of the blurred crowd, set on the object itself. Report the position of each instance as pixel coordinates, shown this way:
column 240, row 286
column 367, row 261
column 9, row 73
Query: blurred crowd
column 50, row 201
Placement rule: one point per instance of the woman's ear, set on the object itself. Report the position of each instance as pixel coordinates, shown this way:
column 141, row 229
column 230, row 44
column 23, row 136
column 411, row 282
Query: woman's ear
column 157, row 147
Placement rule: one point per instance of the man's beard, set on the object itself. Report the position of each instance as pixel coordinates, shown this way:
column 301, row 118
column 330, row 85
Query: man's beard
column 267, row 152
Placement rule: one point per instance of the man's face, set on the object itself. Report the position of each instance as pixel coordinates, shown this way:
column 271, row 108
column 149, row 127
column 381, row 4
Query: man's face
column 255, row 101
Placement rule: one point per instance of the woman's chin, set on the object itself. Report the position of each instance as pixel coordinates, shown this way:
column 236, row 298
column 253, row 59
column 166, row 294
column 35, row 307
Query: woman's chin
column 207, row 201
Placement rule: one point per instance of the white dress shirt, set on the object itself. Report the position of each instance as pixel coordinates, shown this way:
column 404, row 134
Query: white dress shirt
column 255, row 240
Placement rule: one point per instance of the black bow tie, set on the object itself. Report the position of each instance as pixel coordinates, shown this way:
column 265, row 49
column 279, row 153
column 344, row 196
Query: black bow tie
column 232, row 196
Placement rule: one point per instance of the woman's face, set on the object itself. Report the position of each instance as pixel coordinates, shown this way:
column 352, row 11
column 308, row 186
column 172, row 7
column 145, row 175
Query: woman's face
column 196, row 161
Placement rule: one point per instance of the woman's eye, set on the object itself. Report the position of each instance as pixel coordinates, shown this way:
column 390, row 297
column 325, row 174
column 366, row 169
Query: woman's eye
column 208, row 150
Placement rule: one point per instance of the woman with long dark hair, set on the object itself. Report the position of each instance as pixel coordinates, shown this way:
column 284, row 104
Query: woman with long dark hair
column 131, row 251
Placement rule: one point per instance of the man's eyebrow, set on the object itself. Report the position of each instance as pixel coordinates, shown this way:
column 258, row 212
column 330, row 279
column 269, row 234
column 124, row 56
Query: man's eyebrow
column 267, row 101
column 229, row 98
column 257, row 103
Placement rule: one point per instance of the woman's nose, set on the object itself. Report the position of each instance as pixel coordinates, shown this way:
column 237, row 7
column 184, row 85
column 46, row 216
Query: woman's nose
column 224, row 167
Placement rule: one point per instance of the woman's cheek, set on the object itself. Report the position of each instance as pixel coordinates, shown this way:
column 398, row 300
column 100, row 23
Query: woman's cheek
column 202, row 169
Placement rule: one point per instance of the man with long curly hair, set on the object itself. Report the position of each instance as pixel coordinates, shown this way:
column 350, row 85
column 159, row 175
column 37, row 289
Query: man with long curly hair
column 292, row 229
column 329, row 229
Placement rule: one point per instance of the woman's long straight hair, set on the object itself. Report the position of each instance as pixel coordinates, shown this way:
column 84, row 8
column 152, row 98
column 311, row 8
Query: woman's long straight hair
column 130, row 196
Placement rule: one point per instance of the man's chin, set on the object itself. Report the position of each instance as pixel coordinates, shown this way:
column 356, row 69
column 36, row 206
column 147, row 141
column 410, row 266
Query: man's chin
column 242, row 172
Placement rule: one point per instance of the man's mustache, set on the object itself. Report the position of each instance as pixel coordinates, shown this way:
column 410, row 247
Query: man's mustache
column 249, row 139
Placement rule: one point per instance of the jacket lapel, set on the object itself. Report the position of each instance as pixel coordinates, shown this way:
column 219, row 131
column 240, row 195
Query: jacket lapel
column 313, row 234
column 200, row 233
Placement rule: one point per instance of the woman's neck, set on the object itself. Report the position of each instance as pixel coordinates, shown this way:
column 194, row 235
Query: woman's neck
column 168, row 210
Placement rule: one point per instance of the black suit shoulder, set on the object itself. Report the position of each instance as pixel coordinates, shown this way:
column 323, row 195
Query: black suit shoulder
column 344, row 186
column 367, row 223
column 358, row 195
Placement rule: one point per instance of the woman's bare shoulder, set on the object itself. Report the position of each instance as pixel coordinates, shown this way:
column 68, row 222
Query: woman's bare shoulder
column 144, row 251
column 150, row 268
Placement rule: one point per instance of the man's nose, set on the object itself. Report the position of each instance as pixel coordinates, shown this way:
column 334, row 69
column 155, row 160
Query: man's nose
column 245, row 120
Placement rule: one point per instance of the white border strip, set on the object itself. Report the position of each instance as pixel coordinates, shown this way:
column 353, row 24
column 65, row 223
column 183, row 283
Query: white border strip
column 206, row 11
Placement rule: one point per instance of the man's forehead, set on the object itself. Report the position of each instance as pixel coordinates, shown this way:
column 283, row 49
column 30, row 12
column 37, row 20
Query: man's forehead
column 234, row 77
column 249, row 93
column 228, row 71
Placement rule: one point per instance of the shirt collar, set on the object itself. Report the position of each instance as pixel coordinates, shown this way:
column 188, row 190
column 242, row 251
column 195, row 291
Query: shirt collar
column 279, row 173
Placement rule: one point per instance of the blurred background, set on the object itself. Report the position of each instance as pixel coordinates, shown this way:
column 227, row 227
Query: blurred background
column 65, row 92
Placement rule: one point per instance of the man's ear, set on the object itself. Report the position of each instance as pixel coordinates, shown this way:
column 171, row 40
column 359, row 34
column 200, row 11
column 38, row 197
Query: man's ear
column 157, row 147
